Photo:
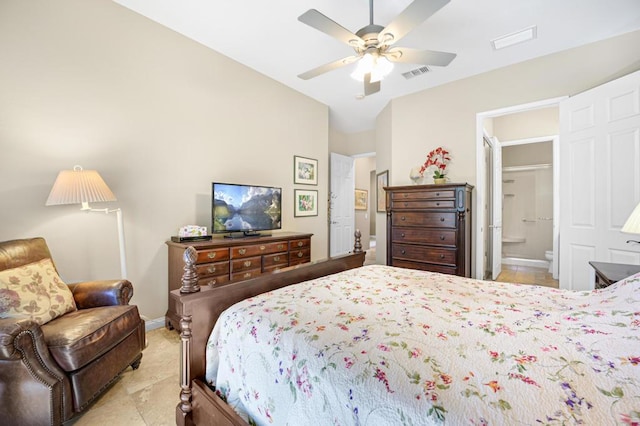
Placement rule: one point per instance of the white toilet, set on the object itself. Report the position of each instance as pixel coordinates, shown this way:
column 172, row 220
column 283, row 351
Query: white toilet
column 549, row 256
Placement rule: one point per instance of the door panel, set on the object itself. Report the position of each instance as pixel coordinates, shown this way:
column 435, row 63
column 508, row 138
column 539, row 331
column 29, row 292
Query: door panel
column 341, row 205
column 599, row 178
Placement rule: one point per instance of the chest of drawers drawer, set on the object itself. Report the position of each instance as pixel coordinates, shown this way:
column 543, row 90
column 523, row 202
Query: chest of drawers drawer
column 214, row 281
column 214, row 268
column 425, row 194
column 245, row 275
column 427, row 254
column 429, row 219
column 440, row 237
column 299, row 256
column 278, row 259
column 258, row 249
column 246, row 264
column 212, row 255
column 298, row 244
column 423, row 204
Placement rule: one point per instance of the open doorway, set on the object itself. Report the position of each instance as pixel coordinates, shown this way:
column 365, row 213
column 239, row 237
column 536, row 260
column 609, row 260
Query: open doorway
column 520, row 125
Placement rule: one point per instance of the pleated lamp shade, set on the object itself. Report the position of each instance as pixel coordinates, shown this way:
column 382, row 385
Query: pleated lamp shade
column 79, row 186
column 632, row 225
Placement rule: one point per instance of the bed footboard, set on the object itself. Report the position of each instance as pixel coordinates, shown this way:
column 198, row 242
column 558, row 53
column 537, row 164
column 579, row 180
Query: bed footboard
column 199, row 311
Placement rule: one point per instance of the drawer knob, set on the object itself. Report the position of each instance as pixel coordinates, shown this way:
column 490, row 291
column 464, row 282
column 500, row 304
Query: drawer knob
column 262, row 247
column 211, row 255
column 406, row 204
column 276, row 259
column 442, row 256
column 441, row 237
column 402, row 235
column 211, row 269
column 402, row 218
column 403, row 252
column 438, row 203
column 300, row 243
column 442, row 219
column 247, row 263
column 212, row 282
column 280, row 246
column 437, row 194
column 405, row 195
column 300, row 254
column 247, row 275
column 242, row 251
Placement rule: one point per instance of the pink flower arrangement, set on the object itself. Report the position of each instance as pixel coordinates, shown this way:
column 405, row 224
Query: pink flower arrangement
column 438, row 158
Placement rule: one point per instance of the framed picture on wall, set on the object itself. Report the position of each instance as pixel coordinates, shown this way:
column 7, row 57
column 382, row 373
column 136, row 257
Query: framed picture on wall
column 305, row 170
column 306, row 203
column 361, row 200
column 382, row 180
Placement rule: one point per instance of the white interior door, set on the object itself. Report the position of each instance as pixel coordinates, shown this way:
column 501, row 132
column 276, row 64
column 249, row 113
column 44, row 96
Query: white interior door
column 341, row 205
column 599, row 178
column 496, row 225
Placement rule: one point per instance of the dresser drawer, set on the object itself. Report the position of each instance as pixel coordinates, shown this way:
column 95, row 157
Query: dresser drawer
column 439, row 237
column 442, row 256
column 424, row 194
column 425, row 266
column 215, row 268
column 269, row 260
column 297, row 244
column 245, row 275
column 299, row 256
column 246, row 264
column 258, row 249
column 213, row 281
column 212, row 255
column 423, row 204
column 432, row 219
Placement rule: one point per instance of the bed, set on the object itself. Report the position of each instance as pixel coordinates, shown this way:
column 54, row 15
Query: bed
column 381, row 345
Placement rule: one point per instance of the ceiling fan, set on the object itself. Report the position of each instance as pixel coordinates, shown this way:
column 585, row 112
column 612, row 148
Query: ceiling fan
column 374, row 44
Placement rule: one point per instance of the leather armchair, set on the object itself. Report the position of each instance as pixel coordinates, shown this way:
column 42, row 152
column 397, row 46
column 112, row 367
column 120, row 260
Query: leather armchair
column 50, row 372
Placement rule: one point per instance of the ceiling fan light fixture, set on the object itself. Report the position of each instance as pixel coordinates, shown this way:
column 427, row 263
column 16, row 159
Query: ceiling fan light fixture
column 378, row 66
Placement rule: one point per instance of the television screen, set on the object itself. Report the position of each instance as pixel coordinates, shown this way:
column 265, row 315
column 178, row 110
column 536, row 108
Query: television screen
column 245, row 208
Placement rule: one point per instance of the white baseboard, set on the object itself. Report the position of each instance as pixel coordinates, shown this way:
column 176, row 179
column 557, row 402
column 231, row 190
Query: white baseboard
column 152, row 324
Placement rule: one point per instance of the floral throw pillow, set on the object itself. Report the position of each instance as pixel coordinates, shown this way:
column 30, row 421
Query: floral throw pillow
column 34, row 291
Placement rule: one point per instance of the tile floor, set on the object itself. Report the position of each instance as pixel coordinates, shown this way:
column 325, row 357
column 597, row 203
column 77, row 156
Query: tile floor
column 148, row 396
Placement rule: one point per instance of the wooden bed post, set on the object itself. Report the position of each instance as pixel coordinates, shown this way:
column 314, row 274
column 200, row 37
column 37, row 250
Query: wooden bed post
column 184, row 407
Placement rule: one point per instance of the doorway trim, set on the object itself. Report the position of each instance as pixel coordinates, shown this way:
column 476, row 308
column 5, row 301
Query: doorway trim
column 481, row 170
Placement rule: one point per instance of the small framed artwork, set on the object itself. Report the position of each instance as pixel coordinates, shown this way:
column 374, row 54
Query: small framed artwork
column 382, row 180
column 305, row 170
column 306, row 203
column 361, row 199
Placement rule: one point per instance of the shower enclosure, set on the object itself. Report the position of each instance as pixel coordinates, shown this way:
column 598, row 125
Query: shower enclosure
column 527, row 213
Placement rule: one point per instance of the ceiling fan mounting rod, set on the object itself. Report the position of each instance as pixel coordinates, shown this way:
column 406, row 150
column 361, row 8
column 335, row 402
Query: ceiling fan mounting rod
column 370, row 12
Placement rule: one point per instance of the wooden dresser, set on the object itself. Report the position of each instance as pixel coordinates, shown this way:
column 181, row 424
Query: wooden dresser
column 429, row 227
column 225, row 260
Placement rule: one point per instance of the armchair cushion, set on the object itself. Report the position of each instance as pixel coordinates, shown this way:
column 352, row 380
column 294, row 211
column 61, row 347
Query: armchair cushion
column 34, row 291
column 77, row 338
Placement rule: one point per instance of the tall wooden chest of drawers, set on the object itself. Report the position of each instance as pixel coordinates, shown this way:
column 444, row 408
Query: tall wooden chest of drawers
column 226, row 260
column 429, row 228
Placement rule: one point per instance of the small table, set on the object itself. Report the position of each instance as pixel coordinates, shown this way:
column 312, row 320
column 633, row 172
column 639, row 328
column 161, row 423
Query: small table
column 609, row 273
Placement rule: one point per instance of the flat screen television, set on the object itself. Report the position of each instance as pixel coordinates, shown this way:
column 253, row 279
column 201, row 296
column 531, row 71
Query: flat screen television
column 245, row 209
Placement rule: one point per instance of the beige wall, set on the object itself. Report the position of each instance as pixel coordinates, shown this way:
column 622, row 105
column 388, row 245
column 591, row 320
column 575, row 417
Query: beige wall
column 529, row 124
column 158, row 115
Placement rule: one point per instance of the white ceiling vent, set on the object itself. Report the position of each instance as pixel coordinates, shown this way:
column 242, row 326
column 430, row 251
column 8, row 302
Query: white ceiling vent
column 416, row 72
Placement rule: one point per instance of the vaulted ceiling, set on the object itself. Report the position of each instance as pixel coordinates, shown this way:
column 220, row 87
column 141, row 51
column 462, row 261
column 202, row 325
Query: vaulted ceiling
column 268, row 37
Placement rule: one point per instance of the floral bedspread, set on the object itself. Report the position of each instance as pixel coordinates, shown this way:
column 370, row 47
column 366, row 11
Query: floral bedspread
column 388, row 346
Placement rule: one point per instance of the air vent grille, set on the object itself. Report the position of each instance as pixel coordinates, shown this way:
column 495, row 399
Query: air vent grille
column 416, row 72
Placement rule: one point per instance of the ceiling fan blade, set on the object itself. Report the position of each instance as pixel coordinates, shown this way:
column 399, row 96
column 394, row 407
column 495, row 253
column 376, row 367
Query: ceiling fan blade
column 369, row 87
column 422, row 57
column 328, row 67
column 415, row 14
column 321, row 22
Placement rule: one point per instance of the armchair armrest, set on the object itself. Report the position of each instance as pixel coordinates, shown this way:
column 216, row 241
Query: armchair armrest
column 23, row 340
column 92, row 294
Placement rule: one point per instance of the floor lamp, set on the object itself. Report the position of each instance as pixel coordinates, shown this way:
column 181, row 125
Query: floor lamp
column 80, row 186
